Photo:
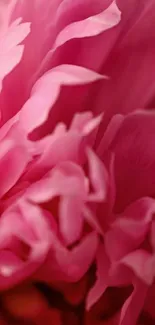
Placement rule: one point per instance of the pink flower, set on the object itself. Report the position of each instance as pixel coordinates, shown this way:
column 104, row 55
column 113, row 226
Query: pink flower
column 77, row 179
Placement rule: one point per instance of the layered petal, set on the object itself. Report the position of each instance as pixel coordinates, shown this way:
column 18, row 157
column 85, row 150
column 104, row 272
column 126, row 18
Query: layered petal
column 130, row 63
column 24, row 243
column 37, row 108
column 67, row 265
column 77, row 194
column 89, row 27
column 10, row 50
column 133, row 305
column 134, row 158
column 129, row 230
column 102, row 281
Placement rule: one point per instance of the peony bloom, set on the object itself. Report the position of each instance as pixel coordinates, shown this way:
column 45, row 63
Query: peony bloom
column 77, row 162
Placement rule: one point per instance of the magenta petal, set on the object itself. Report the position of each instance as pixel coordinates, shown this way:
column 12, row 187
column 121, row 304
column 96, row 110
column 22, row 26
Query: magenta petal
column 85, row 123
column 13, row 160
column 80, row 120
column 69, row 265
column 10, row 51
column 92, row 125
column 66, row 179
column 103, row 267
column 98, row 177
column 91, row 26
column 77, row 262
column 8, row 126
column 9, row 264
column 69, row 11
column 120, row 275
column 15, row 35
column 7, row 8
column 28, row 224
column 117, row 244
column 133, row 147
column 91, row 219
column 142, row 263
column 110, row 133
column 19, row 231
column 133, row 305
column 13, row 270
column 70, row 218
column 64, row 147
column 126, row 66
column 34, row 217
column 129, row 230
column 46, row 91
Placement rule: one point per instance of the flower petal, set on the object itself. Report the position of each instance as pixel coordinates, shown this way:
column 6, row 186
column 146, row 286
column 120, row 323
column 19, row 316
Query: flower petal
column 47, row 89
column 77, row 262
column 98, row 177
column 91, row 26
column 133, row 305
column 14, row 158
column 103, row 266
column 125, row 64
column 71, row 219
column 10, row 50
column 66, row 179
column 129, row 230
column 133, row 148
column 142, row 263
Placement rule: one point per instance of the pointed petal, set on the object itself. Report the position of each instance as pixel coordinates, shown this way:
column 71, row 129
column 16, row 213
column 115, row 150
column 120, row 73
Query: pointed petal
column 47, row 89
column 91, row 26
